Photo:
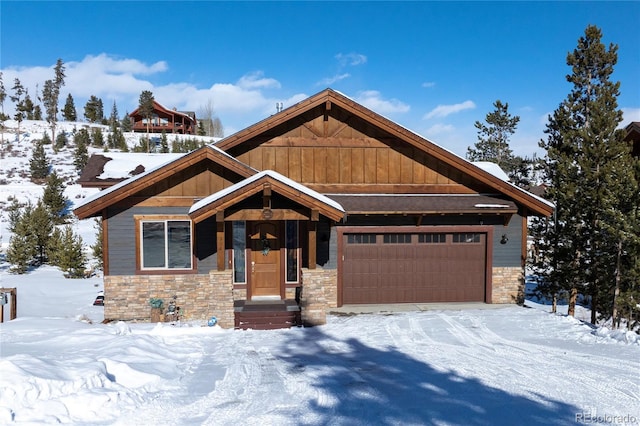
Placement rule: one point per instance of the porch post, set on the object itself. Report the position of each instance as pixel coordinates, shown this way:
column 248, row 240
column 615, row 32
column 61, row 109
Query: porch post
column 220, row 240
column 312, row 228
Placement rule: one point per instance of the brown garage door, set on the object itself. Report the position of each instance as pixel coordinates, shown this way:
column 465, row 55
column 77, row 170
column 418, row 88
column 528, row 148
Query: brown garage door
column 418, row 267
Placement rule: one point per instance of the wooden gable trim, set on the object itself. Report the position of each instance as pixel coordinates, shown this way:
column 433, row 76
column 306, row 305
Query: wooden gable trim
column 266, row 185
column 136, row 185
column 330, row 98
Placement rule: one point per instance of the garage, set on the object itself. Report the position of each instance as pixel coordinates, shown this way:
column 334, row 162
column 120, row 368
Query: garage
column 418, row 267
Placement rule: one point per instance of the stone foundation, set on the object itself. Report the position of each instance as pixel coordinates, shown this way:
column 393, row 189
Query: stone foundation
column 507, row 285
column 199, row 296
column 319, row 293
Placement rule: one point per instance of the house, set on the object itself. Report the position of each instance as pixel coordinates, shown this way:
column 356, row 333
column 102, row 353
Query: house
column 633, row 136
column 324, row 204
column 164, row 120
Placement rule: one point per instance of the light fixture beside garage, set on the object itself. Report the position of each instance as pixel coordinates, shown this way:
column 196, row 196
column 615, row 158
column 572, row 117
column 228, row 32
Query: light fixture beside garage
column 504, row 239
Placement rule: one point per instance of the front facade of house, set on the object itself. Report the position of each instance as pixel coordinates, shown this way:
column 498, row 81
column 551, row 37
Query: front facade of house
column 164, row 120
column 323, row 204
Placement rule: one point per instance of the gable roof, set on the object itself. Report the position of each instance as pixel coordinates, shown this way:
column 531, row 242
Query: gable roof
column 157, row 106
column 329, row 98
column 93, row 205
column 254, row 184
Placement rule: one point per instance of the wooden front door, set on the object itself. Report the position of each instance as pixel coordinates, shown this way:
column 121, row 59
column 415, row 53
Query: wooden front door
column 265, row 265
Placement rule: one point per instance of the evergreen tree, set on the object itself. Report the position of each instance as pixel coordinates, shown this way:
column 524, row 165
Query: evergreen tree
column 590, row 172
column 51, row 94
column 54, row 198
column 97, row 138
column 69, row 111
column 125, row 123
column 40, row 228
column 61, row 141
column 493, row 140
column 37, row 113
column 164, row 145
column 96, row 249
column 39, row 163
column 27, row 106
column 93, row 110
column 19, row 253
column 113, row 118
column 3, row 117
column 146, row 108
column 18, row 92
column 81, row 153
column 70, row 256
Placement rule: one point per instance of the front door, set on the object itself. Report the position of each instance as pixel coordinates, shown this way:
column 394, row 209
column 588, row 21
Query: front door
column 265, row 260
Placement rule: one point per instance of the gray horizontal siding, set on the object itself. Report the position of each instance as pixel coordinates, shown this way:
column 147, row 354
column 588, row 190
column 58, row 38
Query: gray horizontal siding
column 122, row 236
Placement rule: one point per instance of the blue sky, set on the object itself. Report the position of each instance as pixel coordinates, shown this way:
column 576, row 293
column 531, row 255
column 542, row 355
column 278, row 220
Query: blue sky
column 433, row 67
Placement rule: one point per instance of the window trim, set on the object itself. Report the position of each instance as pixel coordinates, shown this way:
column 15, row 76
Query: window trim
column 139, row 219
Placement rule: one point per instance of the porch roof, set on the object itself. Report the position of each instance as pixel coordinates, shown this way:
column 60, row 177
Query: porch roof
column 231, row 195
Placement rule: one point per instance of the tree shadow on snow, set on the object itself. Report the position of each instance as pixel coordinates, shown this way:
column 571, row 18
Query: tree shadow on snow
column 357, row 384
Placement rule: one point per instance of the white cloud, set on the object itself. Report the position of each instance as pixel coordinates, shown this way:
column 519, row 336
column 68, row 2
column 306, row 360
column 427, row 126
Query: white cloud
column 330, row 80
column 256, row 80
column 438, row 129
column 445, row 110
column 351, row 59
column 373, row 100
column 629, row 115
column 429, row 84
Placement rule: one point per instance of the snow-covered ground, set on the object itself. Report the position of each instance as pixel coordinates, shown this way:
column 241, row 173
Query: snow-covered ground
column 507, row 366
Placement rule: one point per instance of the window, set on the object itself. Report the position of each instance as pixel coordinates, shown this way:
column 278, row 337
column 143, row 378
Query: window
column 432, row 238
column 166, row 244
column 361, row 238
column 239, row 235
column 397, row 238
column 291, row 241
column 466, row 238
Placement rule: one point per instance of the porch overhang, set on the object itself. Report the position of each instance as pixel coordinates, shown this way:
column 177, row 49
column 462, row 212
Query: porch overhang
column 266, row 182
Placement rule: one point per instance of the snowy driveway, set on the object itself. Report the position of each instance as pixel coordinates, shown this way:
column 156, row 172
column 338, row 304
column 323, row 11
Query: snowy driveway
column 475, row 367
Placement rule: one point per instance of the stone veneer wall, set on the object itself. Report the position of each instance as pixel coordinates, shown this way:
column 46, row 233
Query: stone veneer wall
column 199, row 296
column 319, row 293
column 507, row 285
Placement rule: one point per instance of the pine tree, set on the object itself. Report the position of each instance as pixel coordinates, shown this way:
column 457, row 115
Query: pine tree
column 164, row 145
column 113, row 118
column 27, row 106
column 39, row 163
column 69, row 111
column 93, row 110
column 37, row 113
column 3, row 116
column 18, row 92
column 40, row 226
column 70, row 256
column 19, row 253
column 81, row 153
column 146, row 108
column 54, row 198
column 493, row 140
column 97, row 138
column 51, row 94
column 125, row 123
column 96, row 249
column 61, row 141
column 589, row 170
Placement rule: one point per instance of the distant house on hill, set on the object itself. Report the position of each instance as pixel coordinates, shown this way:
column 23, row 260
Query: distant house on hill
column 167, row 120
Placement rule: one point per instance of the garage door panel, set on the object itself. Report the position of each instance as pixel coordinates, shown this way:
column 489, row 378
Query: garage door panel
column 404, row 269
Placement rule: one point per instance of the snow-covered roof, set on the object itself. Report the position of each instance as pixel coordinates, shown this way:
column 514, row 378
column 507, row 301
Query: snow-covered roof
column 122, row 163
column 274, row 175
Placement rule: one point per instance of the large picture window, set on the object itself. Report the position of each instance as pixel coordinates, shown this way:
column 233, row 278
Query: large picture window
column 165, row 244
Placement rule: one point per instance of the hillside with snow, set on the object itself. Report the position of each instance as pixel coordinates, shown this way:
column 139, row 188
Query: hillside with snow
column 506, row 365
